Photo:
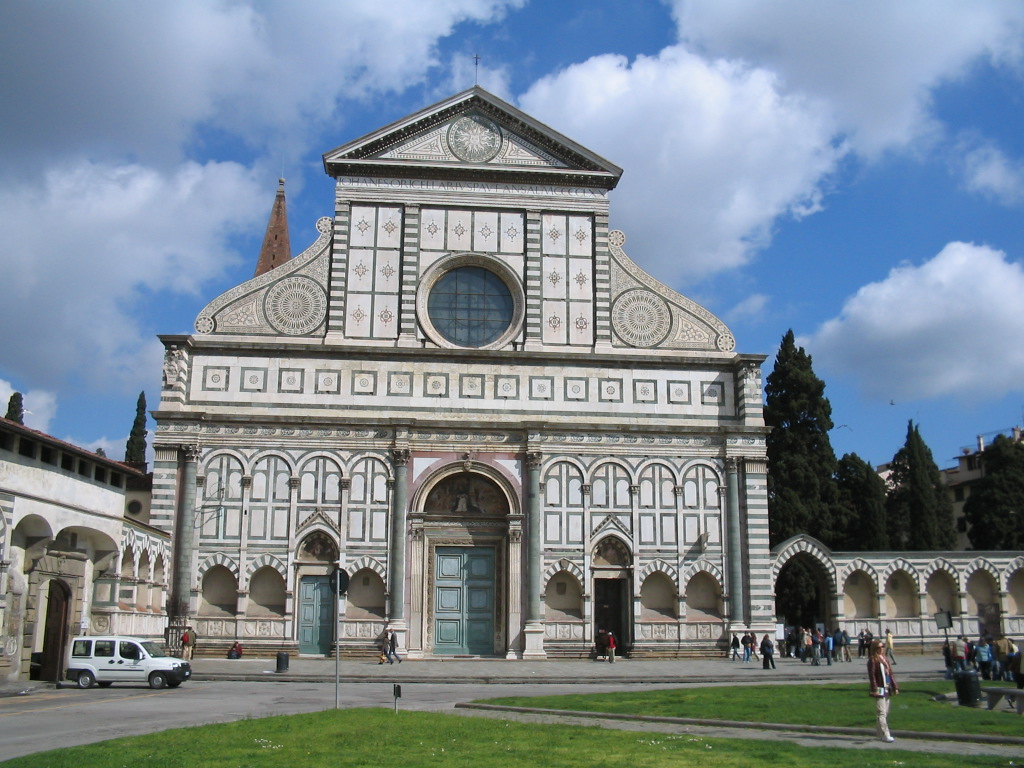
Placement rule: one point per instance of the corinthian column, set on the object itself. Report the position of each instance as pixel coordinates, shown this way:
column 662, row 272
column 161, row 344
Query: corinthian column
column 737, row 591
column 396, row 561
column 184, row 544
column 534, row 630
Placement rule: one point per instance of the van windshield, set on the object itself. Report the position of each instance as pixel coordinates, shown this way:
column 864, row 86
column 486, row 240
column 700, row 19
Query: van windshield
column 153, row 649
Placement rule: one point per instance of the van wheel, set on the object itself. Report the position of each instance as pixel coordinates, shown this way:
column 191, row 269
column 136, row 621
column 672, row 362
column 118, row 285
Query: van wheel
column 85, row 679
column 104, row 684
column 157, row 680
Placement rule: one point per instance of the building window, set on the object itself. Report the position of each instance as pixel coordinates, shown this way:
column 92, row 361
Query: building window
column 470, row 306
column 470, row 301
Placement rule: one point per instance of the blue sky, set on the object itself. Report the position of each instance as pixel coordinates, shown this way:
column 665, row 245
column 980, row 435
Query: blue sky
column 851, row 170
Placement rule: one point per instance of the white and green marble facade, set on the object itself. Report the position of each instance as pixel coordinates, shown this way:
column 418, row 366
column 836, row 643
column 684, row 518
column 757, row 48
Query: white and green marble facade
column 611, row 434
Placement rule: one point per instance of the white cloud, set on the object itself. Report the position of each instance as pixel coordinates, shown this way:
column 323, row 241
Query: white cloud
column 947, row 327
column 988, row 171
column 875, row 62
column 751, row 308
column 143, row 78
column 712, row 149
column 92, row 242
column 113, row 447
column 40, row 405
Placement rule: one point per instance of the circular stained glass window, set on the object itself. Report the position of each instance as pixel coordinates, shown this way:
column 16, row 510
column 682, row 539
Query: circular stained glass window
column 470, row 306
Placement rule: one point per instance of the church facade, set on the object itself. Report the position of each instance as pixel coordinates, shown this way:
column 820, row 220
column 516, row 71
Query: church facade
column 466, row 394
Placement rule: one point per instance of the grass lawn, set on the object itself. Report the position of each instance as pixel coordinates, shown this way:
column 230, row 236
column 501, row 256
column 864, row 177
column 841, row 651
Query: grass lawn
column 379, row 737
column 836, row 705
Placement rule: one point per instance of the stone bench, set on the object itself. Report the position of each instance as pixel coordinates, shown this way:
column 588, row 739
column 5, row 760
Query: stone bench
column 995, row 695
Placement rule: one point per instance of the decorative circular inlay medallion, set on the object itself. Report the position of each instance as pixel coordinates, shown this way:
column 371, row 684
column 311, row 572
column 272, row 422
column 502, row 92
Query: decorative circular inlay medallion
column 474, row 139
column 295, row 306
column 617, row 238
column 204, row 324
column 640, row 318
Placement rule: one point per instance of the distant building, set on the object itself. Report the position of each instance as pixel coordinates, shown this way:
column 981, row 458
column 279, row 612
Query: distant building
column 77, row 552
column 969, row 469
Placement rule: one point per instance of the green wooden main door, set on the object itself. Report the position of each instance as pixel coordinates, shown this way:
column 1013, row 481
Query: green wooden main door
column 316, row 615
column 464, row 601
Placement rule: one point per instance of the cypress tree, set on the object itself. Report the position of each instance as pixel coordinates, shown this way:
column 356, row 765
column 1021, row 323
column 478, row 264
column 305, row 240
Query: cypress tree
column 918, row 510
column 16, row 408
column 135, row 448
column 995, row 508
column 801, row 462
column 862, row 527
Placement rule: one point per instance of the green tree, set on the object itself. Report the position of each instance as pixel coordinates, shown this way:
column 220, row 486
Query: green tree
column 135, row 448
column 860, row 524
column 918, row 510
column 995, row 508
column 801, row 462
column 101, row 452
column 16, row 408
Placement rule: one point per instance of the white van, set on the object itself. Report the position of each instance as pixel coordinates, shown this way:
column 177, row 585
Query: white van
column 112, row 659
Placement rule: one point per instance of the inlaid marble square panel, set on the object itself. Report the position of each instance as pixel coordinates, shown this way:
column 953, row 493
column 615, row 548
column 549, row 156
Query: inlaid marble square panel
column 328, row 382
column 215, row 378
column 645, row 391
column 576, row 389
column 364, row 382
column 711, row 393
column 471, row 385
column 254, row 380
column 610, row 390
column 506, row 386
column 542, row 387
column 399, row 383
column 290, row 379
column 679, row 392
column 435, row 385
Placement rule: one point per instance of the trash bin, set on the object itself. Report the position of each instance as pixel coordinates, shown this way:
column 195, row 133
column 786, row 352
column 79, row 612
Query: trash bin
column 282, row 662
column 968, row 689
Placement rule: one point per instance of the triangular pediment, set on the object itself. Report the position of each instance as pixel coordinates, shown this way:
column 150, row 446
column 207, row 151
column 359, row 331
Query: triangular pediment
column 472, row 134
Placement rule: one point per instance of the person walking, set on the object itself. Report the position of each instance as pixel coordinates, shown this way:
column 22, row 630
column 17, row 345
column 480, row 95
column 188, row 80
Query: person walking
column 882, row 687
column 767, row 653
column 391, row 647
column 735, row 646
column 889, row 650
column 983, row 658
column 612, row 645
column 846, row 646
column 188, row 643
column 748, row 644
column 186, row 638
column 829, row 643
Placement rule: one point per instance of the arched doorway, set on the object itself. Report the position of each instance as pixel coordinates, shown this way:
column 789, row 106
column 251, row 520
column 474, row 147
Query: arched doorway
column 463, row 527
column 613, row 603
column 802, row 593
column 316, row 560
column 55, row 631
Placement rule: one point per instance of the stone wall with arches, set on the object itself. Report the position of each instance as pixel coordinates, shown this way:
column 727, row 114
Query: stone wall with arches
column 902, row 591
